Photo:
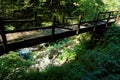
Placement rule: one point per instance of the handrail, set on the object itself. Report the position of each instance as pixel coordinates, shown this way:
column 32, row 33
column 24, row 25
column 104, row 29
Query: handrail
column 19, row 20
column 29, row 29
column 108, row 15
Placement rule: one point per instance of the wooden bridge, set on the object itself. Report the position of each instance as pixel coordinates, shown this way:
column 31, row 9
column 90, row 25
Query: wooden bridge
column 33, row 36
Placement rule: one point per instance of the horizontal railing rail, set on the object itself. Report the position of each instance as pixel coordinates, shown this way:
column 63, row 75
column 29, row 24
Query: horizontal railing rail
column 106, row 17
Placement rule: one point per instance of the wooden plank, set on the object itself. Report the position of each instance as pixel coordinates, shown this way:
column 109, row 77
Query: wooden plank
column 53, row 28
column 79, row 23
column 18, row 20
column 108, row 18
column 29, row 29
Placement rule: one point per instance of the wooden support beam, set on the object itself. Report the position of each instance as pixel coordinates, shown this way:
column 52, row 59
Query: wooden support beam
column 18, row 20
column 53, row 28
column 80, row 19
column 108, row 18
column 2, row 32
column 96, row 21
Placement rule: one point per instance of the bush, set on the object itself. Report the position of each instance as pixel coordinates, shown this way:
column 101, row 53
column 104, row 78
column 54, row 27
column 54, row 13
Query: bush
column 12, row 66
column 84, row 63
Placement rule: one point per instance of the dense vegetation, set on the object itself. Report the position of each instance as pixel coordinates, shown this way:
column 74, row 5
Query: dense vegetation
column 86, row 60
column 98, row 63
column 47, row 9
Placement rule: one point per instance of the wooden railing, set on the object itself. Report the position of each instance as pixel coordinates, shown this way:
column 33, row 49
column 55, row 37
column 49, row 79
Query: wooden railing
column 100, row 17
column 105, row 17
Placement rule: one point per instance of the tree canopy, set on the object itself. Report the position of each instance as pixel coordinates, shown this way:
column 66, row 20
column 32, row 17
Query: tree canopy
column 48, row 8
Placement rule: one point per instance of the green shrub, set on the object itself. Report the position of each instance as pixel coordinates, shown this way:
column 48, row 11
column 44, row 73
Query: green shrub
column 12, row 66
column 100, row 63
column 112, row 35
column 67, row 55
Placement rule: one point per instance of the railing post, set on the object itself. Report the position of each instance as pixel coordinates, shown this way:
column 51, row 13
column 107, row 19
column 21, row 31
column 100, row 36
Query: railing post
column 117, row 16
column 79, row 23
column 95, row 26
column 53, row 28
column 109, row 14
column 2, row 32
column 96, row 20
column 63, row 18
column 97, row 31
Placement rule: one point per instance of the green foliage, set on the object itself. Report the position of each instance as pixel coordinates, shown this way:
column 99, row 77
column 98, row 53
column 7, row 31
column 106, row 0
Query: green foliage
column 60, row 43
column 67, row 55
column 78, row 49
column 101, row 63
column 12, row 66
column 83, row 63
column 9, row 28
column 19, row 9
column 114, row 5
column 112, row 35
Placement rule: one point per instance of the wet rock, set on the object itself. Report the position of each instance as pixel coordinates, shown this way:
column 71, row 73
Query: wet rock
column 39, row 61
column 24, row 53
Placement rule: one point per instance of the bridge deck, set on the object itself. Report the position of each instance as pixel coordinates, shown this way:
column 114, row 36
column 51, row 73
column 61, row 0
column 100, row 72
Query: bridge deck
column 18, row 36
column 28, row 38
column 21, row 36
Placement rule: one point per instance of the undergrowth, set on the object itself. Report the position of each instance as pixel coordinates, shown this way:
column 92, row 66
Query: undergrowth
column 100, row 63
column 12, row 67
